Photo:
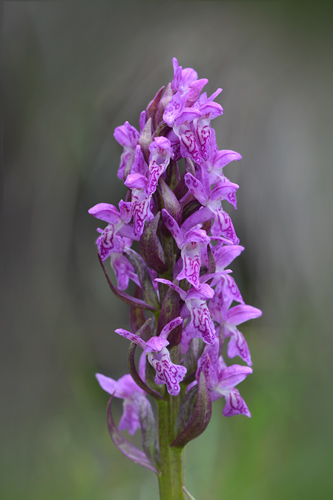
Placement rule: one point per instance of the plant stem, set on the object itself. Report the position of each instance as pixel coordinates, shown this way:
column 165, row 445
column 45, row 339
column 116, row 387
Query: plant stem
column 170, row 479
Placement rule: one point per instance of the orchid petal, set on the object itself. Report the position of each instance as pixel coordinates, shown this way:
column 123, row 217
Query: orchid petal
column 235, row 404
column 132, row 337
column 239, row 314
column 167, row 372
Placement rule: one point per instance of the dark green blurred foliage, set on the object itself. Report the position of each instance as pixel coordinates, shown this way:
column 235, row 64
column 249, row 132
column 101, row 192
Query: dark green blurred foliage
column 72, row 73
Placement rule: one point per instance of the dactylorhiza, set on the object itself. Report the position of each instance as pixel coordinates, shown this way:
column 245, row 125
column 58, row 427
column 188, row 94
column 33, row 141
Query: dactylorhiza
column 172, row 237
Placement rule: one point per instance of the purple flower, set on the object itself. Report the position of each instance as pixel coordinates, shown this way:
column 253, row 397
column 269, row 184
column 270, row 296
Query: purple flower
column 125, row 388
column 237, row 345
column 211, row 200
column 221, row 380
column 159, row 357
column 159, row 158
column 201, row 324
column 190, row 243
column 176, row 214
column 123, row 270
column 140, row 202
column 107, row 242
column 186, row 82
column 128, row 137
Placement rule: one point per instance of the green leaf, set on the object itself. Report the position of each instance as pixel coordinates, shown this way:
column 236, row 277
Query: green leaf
column 197, row 419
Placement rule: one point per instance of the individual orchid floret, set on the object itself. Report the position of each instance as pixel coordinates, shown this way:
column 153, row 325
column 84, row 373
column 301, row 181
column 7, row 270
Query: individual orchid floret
column 159, row 158
column 237, row 345
column 226, row 289
column 128, row 137
column 201, row 324
column 211, row 201
column 118, row 223
column 123, row 270
column 207, row 107
column 125, row 388
column 176, row 112
column 159, row 357
column 192, row 126
column 140, row 202
column 186, row 82
column 190, row 243
column 221, row 380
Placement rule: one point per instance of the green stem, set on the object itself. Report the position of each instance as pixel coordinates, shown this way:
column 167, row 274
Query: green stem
column 170, row 479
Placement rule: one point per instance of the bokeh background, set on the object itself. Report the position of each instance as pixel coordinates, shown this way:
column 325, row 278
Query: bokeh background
column 73, row 71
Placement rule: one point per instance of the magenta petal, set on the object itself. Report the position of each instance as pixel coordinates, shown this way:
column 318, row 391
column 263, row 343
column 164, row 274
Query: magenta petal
column 194, row 91
column 225, row 254
column 173, row 227
column 235, row 405
column 181, row 292
column 105, row 211
column 224, row 226
column 202, row 324
column 132, row 337
column 170, row 326
column 108, row 384
column 239, row 314
column 126, row 135
column 196, row 188
column 173, row 109
column 130, row 418
column 222, row 190
column 155, row 344
column 167, row 372
column 191, row 267
column 127, row 387
column 200, row 217
column 136, row 181
column 237, row 346
column 233, row 375
column 125, row 209
column 224, row 157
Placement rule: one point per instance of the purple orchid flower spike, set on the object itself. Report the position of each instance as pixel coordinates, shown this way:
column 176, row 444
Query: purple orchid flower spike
column 128, row 137
column 190, row 243
column 186, row 241
column 118, row 223
column 159, row 357
column 221, row 380
column 125, row 388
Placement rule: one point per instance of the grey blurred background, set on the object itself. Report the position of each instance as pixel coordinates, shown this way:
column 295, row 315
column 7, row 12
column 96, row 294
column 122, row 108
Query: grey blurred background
column 73, row 71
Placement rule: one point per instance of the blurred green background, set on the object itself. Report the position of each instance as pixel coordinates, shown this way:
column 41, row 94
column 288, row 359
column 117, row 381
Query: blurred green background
column 73, row 71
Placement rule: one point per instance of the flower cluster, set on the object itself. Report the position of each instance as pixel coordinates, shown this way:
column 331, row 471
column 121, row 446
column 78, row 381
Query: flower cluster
column 173, row 238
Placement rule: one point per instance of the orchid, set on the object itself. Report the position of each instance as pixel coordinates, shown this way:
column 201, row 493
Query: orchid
column 158, row 356
column 221, row 380
column 173, row 238
column 125, row 388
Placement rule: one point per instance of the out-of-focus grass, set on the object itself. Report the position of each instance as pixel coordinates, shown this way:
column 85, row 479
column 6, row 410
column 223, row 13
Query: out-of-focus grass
column 282, row 452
